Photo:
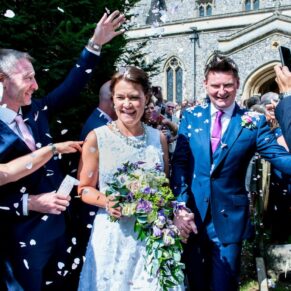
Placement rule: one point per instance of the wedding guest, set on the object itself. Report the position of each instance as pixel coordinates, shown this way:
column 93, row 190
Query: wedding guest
column 32, row 218
column 114, row 258
column 101, row 115
column 216, row 142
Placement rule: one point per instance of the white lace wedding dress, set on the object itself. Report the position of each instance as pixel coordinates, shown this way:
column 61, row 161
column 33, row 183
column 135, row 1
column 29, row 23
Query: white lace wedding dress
column 114, row 258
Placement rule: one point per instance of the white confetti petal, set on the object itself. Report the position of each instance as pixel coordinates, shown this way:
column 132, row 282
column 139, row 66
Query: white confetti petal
column 74, row 266
column 90, row 175
column 107, row 10
column 32, row 242
column 92, row 213
column 44, row 218
column 89, row 226
column 29, row 166
column 64, row 131
column 92, row 149
column 69, row 250
column 88, row 71
column 74, row 241
column 61, row 265
column 22, row 190
column 22, row 244
column 26, row 264
column 9, row 13
column 38, row 145
column 48, row 282
column 77, row 261
column 61, row 9
column 16, row 205
column 77, row 65
column 36, row 116
column 59, row 121
column 45, row 108
column 48, row 135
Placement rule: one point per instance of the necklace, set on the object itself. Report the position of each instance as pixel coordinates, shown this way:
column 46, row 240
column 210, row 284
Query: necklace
column 136, row 142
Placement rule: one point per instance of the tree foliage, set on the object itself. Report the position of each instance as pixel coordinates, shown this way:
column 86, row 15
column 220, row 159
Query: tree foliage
column 54, row 32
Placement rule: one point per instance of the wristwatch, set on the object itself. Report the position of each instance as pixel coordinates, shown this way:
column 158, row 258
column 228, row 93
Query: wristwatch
column 94, row 46
column 284, row 94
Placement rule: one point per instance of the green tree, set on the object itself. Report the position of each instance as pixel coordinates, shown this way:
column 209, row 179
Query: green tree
column 54, row 32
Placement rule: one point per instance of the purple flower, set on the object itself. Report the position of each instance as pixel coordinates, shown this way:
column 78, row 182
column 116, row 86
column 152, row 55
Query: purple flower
column 157, row 231
column 147, row 190
column 144, row 206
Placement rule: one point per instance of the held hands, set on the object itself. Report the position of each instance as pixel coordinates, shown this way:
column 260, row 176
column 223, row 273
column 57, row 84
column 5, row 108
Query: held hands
column 68, row 147
column 283, row 78
column 51, row 203
column 185, row 223
column 107, row 26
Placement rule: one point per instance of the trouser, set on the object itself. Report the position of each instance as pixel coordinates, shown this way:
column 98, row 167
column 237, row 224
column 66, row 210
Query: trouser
column 211, row 265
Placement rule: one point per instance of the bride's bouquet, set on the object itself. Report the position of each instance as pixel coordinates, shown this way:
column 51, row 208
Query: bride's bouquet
column 145, row 194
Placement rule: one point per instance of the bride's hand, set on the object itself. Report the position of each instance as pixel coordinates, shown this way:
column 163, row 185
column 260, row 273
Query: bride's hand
column 111, row 207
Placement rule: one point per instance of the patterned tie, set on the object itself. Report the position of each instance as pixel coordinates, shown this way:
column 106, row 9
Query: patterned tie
column 26, row 135
column 216, row 131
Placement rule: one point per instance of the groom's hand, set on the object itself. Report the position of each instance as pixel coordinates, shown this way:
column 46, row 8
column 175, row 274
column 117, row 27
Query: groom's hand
column 185, row 223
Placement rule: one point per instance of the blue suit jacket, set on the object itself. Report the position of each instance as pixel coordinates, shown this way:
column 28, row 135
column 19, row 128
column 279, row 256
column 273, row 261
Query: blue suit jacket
column 219, row 180
column 96, row 119
column 14, row 226
column 283, row 115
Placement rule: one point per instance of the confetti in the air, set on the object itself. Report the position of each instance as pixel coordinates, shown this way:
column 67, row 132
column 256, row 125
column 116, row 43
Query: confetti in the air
column 29, row 166
column 61, row 9
column 64, row 131
column 88, row 71
column 9, row 13
column 26, row 264
column 32, row 242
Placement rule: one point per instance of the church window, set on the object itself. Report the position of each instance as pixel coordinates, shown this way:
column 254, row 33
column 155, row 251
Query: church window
column 251, row 5
column 205, row 7
column 174, row 80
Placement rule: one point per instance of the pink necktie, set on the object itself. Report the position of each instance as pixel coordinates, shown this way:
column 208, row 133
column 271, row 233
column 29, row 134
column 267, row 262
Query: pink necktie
column 26, row 135
column 216, row 131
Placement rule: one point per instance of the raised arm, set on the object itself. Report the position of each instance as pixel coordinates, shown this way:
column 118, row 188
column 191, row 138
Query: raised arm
column 27, row 164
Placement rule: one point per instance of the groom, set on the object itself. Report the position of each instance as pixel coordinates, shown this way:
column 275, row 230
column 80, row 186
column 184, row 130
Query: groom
column 215, row 145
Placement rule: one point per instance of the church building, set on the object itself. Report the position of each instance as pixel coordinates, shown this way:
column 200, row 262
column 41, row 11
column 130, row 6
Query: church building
column 186, row 33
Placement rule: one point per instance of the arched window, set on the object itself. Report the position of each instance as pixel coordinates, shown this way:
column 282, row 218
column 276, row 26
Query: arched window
column 247, row 5
column 174, row 80
column 205, row 7
column 201, row 11
column 251, row 5
column 208, row 10
column 256, row 4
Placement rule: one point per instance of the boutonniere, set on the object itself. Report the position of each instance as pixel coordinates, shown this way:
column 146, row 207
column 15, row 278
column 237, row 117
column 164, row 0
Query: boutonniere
column 249, row 119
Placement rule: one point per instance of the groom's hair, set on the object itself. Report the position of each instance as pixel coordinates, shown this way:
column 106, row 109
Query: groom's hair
column 220, row 63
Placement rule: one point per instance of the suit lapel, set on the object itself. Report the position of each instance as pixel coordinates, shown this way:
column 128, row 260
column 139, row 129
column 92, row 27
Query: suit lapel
column 204, row 132
column 232, row 133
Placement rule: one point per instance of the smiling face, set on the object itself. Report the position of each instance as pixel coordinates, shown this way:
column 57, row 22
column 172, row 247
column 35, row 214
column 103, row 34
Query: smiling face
column 19, row 85
column 221, row 88
column 129, row 101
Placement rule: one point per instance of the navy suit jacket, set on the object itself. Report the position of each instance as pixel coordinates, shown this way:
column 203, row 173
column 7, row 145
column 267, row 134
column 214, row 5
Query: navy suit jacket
column 283, row 115
column 218, row 180
column 96, row 119
column 43, row 228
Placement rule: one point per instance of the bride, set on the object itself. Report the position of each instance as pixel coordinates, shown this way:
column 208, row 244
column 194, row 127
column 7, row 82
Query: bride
column 115, row 258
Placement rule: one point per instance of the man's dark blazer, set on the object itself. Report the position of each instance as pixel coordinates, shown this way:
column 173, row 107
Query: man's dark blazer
column 283, row 115
column 219, row 180
column 95, row 120
column 43, row 229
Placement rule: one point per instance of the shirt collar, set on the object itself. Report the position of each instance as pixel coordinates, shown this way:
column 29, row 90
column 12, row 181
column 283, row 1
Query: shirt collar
column 227, row 111
column 7, row 115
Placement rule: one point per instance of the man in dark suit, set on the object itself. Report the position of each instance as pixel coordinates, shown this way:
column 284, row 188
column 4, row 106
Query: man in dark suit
column 101, row 115
column 215, row 144
column 32, row 214
column 283, row 109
